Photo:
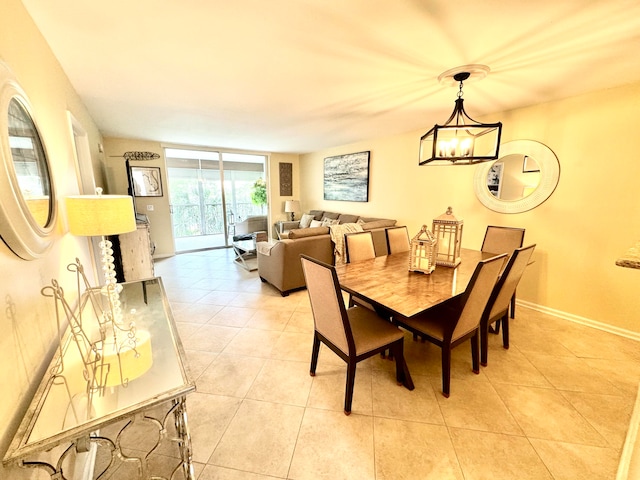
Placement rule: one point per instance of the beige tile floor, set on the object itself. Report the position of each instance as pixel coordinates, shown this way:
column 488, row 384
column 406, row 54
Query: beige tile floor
column 556, row 405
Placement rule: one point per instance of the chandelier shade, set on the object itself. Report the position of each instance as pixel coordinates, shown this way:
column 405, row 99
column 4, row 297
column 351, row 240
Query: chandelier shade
column 461, row 140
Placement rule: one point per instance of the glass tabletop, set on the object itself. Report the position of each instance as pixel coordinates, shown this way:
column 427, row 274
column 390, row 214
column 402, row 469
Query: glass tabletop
column 150, row 372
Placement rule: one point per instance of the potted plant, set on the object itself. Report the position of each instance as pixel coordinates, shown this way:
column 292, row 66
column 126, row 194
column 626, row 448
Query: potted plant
column 259, row 193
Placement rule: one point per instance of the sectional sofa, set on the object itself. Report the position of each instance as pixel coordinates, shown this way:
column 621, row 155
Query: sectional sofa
column 279, row 261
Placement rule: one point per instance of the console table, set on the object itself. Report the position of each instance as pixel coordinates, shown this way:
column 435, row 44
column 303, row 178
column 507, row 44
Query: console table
column 72, row 431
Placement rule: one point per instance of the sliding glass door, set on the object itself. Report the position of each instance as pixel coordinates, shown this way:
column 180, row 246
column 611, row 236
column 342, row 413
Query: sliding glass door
column 209, row 192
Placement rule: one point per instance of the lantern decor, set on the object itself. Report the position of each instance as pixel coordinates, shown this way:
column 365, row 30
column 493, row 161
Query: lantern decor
column 423, row 252
column 448, row 232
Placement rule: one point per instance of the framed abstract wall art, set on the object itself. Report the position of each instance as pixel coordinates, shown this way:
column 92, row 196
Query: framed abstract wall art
column 346, row 177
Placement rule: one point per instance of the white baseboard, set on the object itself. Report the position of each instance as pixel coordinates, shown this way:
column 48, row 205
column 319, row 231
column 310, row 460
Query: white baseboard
column 623, row 332
column 628, row 464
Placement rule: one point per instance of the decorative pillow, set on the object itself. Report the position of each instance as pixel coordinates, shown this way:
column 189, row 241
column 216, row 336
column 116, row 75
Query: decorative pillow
column 361, row 221
column 315, row 223
column 317, row 214
column 347, row 218
column 330, row 215
column 308, row 232
column 378, row 224
column 328, row 221
column 305, row 221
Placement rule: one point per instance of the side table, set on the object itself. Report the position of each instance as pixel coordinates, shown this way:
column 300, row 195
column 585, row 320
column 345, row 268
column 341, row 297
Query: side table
column 67, row 418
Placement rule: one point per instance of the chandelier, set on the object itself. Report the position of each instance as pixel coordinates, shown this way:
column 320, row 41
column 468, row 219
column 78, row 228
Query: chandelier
column 461, row 140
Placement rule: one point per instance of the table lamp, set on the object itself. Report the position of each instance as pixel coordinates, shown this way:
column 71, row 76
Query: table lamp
column 99, row 216
column 292, row 206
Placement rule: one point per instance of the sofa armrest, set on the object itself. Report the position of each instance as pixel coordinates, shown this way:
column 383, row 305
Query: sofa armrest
column 282, row 267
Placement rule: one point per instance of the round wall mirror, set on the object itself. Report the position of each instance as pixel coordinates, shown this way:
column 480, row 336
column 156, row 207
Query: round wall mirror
column 27, row 200
column 524, row 176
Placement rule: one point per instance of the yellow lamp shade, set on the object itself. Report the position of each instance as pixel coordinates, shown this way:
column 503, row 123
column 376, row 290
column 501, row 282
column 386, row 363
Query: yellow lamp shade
column 95, row 215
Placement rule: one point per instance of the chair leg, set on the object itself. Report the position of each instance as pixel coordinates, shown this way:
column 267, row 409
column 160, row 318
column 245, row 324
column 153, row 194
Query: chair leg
column 474, row 353
column 403, row 377
column 314, row 354
column 513, row 306
column 446, row 370
column 505, row 332
column 351, row 378
column 484, row 342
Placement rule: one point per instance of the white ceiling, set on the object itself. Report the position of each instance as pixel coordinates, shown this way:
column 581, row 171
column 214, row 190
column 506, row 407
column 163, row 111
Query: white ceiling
column 303, row 75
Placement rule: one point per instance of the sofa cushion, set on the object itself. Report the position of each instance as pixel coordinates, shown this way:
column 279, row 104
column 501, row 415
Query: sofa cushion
column 308, row 232
column 305, row 221
column 317, row 214
column 343, row 218
column 378, row 224
column 331, row 215
column 315, row 223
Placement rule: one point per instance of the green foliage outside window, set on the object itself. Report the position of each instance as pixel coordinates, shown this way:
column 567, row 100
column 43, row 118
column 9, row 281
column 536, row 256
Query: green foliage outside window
column 259, row 192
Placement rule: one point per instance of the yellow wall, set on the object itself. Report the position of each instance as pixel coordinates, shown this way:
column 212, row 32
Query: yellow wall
column 592, row 218
column 28, row 331
column 276, row 202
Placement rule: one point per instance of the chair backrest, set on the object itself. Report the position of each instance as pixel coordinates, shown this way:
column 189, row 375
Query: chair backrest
column 397, row 239
column 502, row 239
column 327, row 305
column 508, row 282
column 477, row 294
column 359, row 246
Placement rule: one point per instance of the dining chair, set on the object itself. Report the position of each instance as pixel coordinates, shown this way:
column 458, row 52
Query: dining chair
column 359, row 246
column 503, row 240
column 451, row 323
column 354, row 334
column 498, row 306
column 397, row 239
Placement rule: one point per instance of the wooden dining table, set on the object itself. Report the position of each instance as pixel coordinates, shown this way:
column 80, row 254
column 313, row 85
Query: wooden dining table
column 387, row 282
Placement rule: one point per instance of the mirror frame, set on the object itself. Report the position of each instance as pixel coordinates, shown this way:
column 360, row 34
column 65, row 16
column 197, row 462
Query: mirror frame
column 18, row 228
column 549, row 177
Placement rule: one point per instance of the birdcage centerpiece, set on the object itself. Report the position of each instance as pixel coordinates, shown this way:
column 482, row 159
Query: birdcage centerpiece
column 423, row 252
column 448, row 232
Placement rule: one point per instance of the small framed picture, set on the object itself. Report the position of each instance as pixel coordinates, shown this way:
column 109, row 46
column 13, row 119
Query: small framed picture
column 146, row 181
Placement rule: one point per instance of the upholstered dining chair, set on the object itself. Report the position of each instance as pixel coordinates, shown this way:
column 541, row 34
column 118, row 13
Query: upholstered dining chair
column 503, row 240
column 359, row 246
column 397, row 239
column 449, row 324
column 498, row 306
column 354, row 334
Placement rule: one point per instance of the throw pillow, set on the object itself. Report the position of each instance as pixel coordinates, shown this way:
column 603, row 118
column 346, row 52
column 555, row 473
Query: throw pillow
column 315, row 223
column 328, row 221
column 305, row 221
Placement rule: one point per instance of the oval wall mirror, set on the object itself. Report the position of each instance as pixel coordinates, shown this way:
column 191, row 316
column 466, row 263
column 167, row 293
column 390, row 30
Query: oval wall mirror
column 524, row 176
column 27, row 200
